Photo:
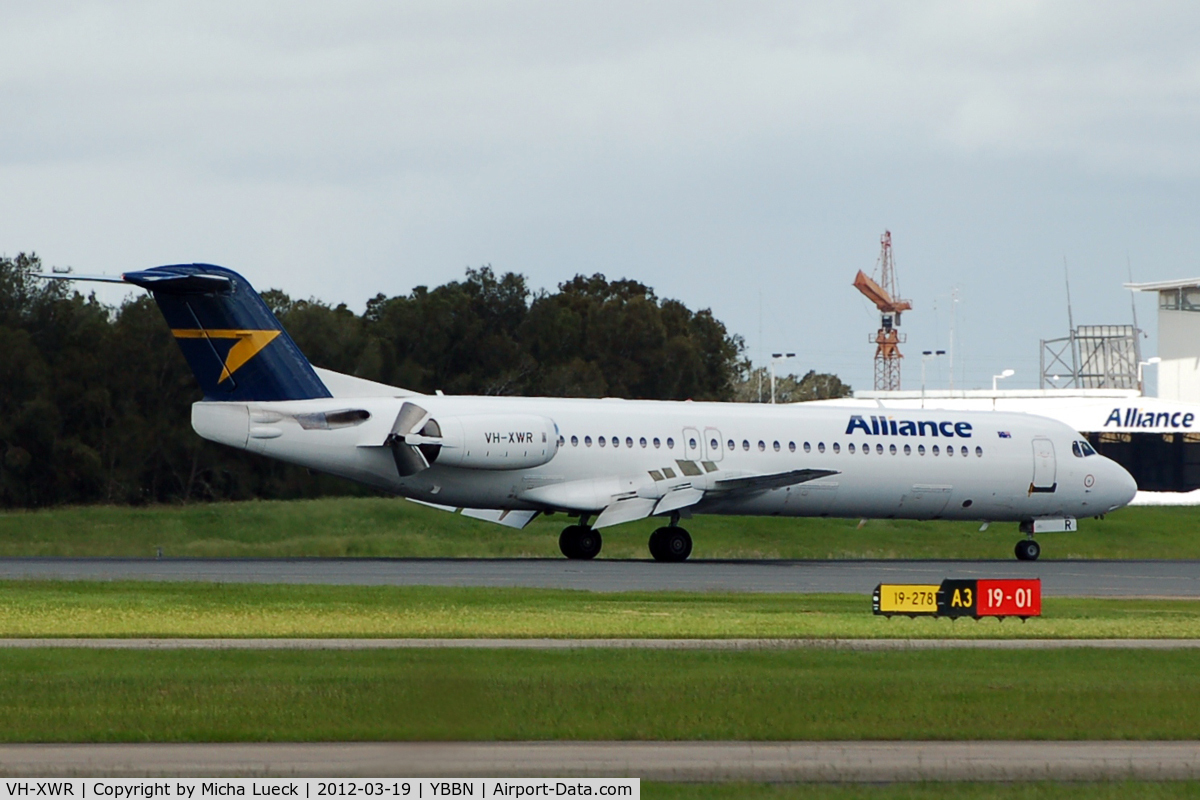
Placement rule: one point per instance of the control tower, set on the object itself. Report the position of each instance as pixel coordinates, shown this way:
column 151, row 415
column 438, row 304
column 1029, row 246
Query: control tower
column 1178, row 337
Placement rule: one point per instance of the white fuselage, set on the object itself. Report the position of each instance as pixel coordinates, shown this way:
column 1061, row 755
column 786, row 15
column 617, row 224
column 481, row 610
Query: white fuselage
column 917, row 464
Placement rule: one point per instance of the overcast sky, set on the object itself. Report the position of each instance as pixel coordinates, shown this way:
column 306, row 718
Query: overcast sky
column 739, row 156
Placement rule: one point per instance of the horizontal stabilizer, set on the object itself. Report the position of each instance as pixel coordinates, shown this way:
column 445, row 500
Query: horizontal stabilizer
column 776, row 480
column 180, row 284
column 71, row 276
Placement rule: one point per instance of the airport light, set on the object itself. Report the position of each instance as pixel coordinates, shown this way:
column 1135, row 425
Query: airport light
column 1008, row 373
column 1146, row 363
column 925, row 356
column 774, row 358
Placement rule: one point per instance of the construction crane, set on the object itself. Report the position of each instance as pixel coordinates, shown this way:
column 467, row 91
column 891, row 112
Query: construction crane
column 883, row 294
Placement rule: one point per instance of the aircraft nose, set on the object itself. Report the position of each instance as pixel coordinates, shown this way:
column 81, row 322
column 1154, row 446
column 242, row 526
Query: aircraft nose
column 1124, row 487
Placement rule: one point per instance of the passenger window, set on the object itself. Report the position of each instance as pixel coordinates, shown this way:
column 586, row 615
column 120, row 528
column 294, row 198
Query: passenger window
column 920, row 449
column 950, row 450
column 730, row 445
column 602, row 441
column 670, row 443
column 574, row 441
column 791, row 447
column 936, row 451
column 820, row 447
column 892, row 449
column 745, row 444
column 807, row 447
column 616, row 441
column 908, row 450
column 587, row 440
column 714, row 444
column 979, row 452
column 850, row 448
column 866, row 449
column 879, row 449
column 629, row 441
column 657, row 443
column 837, row 448
column 692, row 443
column 964, row 451
column 776, row 446
column 642, row 441
column 762, row 446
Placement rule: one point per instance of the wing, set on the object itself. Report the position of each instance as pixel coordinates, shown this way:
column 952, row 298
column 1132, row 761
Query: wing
column 774, row 480
column 627, row 509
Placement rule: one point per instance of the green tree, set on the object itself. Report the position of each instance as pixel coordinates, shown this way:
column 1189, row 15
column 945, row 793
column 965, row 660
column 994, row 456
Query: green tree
column 754, row 386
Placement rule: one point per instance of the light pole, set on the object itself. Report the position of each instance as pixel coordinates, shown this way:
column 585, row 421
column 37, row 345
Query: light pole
column 1146, row 363
column 774, row 358
column 925, row 356
column 1008, row 373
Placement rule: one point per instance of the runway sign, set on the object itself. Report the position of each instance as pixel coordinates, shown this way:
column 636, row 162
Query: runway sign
column 905, row 598
column 1001, row 597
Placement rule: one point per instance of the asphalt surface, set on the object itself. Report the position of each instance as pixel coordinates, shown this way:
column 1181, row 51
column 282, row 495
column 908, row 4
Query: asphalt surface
column 1059, row 578
column 663, row 761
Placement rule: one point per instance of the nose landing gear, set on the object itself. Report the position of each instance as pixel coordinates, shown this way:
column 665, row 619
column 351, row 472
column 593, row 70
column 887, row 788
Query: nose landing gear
column 580, row 542
column 1028, row 550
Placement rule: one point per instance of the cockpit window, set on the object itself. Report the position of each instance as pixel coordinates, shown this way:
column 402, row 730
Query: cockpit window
column 1082, row 448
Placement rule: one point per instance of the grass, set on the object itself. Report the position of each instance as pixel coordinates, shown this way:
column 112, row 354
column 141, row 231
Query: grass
column 54, row 695
column 396, row 528
column 1116, row 790
column 118, row 609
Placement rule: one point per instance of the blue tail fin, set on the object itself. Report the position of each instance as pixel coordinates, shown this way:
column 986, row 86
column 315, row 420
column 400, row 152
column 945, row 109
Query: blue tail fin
column 234, row 344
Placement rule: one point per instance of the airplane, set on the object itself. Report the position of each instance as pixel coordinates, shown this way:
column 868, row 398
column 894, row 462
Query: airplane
column 609, row 461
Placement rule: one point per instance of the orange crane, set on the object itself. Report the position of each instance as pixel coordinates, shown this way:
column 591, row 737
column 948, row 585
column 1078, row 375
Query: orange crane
column 883, row 294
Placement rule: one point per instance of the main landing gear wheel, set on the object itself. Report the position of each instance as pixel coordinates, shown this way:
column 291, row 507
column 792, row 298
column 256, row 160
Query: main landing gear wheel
column 579, row 542
column 670, row 544
column 1028, row 550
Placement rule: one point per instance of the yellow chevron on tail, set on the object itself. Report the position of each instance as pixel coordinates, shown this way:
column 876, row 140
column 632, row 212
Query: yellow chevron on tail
column 247, row 347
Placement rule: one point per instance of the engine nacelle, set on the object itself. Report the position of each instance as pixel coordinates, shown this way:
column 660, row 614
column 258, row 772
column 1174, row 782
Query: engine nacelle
column 496, row 441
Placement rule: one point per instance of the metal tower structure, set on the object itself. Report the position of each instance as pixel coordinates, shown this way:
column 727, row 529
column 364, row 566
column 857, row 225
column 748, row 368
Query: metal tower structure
column 884, row 295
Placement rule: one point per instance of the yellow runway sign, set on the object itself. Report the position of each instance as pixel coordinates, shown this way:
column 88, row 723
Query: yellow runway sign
column 906, row 598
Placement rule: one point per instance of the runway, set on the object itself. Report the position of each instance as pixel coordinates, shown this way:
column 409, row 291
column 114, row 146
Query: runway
column 1059, row 578
column 660, row 761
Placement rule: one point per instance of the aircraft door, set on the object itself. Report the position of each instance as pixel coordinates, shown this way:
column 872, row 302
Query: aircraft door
column 713, row 448
column 692, row 446
column 1045, row 466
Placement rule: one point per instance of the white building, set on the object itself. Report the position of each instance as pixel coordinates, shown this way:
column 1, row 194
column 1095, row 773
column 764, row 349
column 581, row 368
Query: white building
column 1156, row 438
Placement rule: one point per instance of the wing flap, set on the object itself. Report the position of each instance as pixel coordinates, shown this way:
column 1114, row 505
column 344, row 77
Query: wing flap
column 680, row 498
column 501, row 516
column 628, row 510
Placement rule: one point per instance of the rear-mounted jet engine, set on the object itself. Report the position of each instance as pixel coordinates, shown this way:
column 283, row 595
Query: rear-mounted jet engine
column 474, row 441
